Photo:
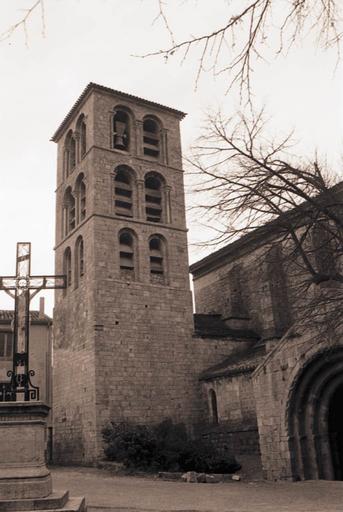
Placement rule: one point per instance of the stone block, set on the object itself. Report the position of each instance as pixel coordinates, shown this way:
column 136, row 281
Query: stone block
column 201, row 478
column 212, row 479
column 189, row 477
column 23, row 472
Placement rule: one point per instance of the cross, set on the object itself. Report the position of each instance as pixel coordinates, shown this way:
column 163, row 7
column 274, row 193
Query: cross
column 25, row 287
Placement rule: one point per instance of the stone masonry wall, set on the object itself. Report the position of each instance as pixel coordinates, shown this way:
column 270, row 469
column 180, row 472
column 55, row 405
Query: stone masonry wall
column 213, row 294
column 236, row 431
column 74, row 358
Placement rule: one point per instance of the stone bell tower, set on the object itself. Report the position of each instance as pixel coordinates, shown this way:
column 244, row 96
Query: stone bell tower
column 124, row 323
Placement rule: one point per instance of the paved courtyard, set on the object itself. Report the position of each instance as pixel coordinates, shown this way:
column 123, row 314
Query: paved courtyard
column 105, row 492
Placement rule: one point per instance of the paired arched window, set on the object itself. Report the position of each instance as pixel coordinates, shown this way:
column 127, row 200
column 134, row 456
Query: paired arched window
column 151, row 137
column 80, row 192
column 214, row 406
column 67, row 266
column 127, row 256
column 123, row 191
column 74, row 205
column 122, row 133
column 79, row 260
column 68, row 211
column 157, row 258
column 121, row 130
column 75, row 145
column 153, row 198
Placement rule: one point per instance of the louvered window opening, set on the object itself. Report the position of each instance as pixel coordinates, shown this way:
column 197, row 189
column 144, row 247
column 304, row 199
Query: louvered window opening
column 156, row 257
column 151, row 139
column 123, row 195
column 126, row 252
column 153, row 200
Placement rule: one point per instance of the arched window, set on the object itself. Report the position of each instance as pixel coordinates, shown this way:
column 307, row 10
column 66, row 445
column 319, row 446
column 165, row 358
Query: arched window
column 80, row 190
column 153, row 198
column 82, row 200
column 214, row 407
column 72, row 153
column 121, row 130
column 81, row 131
column 83, row 138
column 157, row 259
column 127, row 259
column 69, row 153
column 69, row 211
column 67, row 266
column 79, row 260
column 151, row 138
column 123, row 192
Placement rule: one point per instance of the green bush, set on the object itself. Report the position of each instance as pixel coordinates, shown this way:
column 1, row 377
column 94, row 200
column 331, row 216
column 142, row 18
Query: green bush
column 165, row 446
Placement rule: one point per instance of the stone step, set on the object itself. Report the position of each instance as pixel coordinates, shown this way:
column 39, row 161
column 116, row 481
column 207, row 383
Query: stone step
column 73, row 505
column 55, row 500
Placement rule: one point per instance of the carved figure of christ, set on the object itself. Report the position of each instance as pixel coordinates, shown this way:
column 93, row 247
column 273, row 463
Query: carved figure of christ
column 22, row 288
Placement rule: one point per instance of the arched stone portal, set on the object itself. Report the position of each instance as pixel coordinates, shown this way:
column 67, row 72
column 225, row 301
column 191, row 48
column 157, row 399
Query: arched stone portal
column 315, row 418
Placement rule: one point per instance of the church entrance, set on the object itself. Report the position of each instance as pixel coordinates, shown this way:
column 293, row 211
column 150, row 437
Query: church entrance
column 336, row 432
column 315, row 419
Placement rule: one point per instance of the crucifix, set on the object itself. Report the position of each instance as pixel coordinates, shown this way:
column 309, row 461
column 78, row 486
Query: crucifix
column 22, row 288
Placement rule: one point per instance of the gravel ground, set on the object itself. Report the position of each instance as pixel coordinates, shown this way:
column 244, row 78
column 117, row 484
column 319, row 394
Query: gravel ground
column 106, row 492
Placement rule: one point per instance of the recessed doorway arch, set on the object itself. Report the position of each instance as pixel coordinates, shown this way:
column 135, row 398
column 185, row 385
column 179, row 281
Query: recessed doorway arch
column 315, row 418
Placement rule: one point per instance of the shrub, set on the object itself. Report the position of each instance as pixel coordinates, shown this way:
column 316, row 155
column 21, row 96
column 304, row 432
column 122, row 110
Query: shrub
column 165, row 446
column 133, row 445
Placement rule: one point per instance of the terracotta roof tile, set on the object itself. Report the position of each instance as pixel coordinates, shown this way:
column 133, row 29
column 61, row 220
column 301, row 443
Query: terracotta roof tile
column 242, row 362
column 7, row 315
column 93, row 86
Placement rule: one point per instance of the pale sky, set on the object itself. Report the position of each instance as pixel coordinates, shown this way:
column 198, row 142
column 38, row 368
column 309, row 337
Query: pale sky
column 95, row 41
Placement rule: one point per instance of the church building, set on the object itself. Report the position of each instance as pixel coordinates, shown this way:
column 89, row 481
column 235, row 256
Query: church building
column 126, row 343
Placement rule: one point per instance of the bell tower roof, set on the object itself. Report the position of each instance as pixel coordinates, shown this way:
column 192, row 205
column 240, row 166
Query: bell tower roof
column 100, row 88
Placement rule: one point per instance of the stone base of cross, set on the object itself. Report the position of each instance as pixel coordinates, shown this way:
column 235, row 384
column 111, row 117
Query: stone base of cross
column 22, row 288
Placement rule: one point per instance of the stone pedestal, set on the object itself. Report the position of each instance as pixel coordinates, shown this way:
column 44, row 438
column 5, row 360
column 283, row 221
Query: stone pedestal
column 23, row 472
column 25, row 481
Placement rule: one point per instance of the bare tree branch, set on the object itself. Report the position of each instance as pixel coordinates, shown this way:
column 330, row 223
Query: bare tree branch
column 251, row 185
column 235, row 46
column 22, row 23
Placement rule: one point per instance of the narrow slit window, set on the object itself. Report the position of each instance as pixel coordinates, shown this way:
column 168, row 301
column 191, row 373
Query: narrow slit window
column 123, row 200
column 214, row 407
column 151, row 138
column 153, row 199
column 67, row 266
column 120, row 131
